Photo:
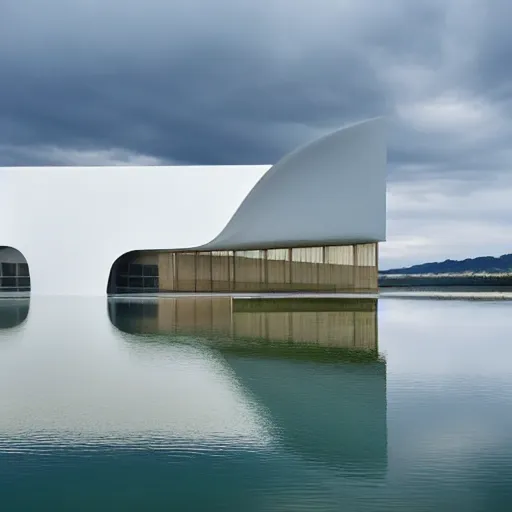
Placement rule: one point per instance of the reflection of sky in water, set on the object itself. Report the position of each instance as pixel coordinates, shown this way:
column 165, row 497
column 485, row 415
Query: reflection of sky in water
column 98, row 391
column 79, row 381
column 449, row 401
column 445, row 387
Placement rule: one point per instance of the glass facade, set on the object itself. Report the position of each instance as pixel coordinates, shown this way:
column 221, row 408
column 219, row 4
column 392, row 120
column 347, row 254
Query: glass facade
column 137, row 277
column 14, row 277
column 328, row 269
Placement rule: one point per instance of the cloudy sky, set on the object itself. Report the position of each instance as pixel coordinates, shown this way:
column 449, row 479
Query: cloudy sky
column 229, row 82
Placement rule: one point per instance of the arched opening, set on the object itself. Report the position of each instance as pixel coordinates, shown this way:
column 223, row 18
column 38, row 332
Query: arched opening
column 134, row 272
column 14, row 271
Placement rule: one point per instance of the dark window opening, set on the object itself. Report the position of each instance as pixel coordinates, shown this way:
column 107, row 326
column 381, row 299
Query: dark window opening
column 14, row 277
column 128, row 277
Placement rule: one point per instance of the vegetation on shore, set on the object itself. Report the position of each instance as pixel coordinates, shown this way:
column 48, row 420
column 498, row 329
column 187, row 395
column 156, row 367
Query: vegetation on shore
column 483, row 265
column 483, row 271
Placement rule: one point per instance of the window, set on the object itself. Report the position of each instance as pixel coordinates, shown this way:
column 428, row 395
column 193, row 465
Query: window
column 136, row 277
column 14, row 277
column 9, row 269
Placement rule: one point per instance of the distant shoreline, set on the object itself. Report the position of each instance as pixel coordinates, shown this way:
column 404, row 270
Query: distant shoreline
column 445, row 281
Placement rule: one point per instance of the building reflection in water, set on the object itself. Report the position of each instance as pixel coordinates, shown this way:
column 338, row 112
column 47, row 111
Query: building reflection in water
column 323, row 322
column 13, row 311
column 309, row 368
column 312, row 364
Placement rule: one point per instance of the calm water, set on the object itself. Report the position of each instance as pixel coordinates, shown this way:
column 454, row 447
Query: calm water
column 200, row 404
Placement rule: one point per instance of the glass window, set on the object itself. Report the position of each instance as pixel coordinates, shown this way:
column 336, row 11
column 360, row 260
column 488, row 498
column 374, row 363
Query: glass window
column 9, row 269
column 123, row 268
column 277, row 254
column 308, row 254
column 343, row 255
column 136, row 269
column 23, row 269
column 151, row 282
column 250, row 254
column 24, row 283
column 150, row 270
column 9, row 282
column 366, row 255
column 136, row 282
column 122, row 281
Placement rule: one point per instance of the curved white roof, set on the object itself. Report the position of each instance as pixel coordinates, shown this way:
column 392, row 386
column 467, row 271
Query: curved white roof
column 331, row 191
column 72, row 223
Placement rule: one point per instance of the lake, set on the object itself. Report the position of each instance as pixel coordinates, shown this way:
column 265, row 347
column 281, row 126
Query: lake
column 200, row 403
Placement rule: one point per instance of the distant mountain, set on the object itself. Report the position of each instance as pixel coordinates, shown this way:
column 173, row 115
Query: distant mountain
column 487, row 264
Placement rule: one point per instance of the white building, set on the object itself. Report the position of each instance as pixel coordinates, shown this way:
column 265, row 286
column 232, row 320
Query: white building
column 311, row 221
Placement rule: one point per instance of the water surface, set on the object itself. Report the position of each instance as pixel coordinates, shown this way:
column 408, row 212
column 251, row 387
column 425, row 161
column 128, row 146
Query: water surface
column 220, row 404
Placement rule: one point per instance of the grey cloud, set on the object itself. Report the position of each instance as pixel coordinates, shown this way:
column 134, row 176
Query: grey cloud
column 433, row 220
column 196, row 82
column 195, row 111
column 51, row 155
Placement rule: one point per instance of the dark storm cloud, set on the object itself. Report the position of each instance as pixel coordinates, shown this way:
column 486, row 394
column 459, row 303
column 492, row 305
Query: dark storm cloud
column 194, row 110
column 189, row 81
column 194, row 83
